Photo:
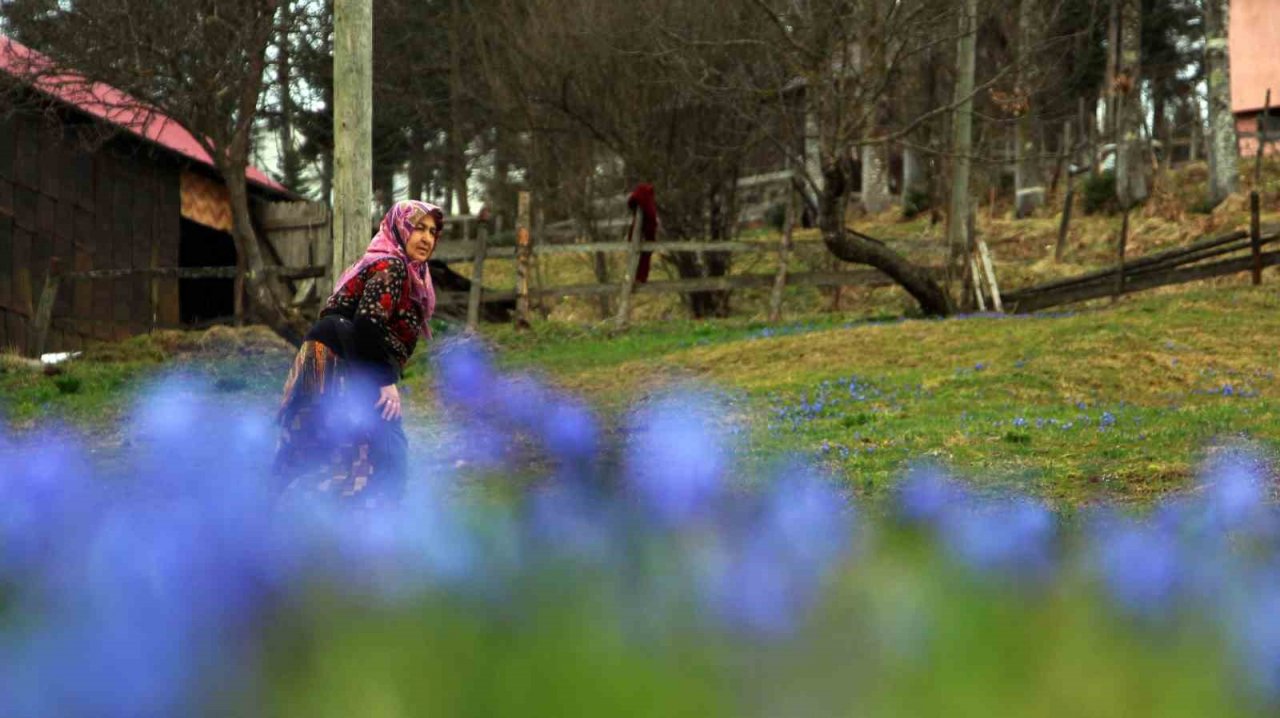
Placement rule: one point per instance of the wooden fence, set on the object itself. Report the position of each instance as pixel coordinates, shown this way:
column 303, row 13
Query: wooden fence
column 472, row 242
column 55, row 277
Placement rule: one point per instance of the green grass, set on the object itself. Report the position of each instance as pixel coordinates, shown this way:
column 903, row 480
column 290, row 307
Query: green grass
column 1014, row 401
column 1017, row 401
column 94, row 391
column 998, row 399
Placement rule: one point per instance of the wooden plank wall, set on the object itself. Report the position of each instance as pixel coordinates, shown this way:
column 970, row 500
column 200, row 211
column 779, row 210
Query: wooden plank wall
column 302, row 234
column 113, row 208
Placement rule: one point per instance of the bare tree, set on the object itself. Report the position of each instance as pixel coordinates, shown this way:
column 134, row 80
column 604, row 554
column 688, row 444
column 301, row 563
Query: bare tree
column 962, row 142
column 1029, row 180
column 200, row 62
column 643, row 86
column 816, row 41
column 1131, row 165
column 1224, row 153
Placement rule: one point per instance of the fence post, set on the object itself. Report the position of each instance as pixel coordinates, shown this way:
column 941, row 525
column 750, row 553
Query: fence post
column 522, row 260
column 44, row 310
column 1255, row 201
column 1124, row 239
column 477, row 277
column 629, row 272
column 1060, row 248
column 539, row 235
column 238, row 285
column 985, row 255
column 784, row 255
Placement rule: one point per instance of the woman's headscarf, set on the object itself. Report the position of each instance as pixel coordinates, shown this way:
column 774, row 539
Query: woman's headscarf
column 390, row 240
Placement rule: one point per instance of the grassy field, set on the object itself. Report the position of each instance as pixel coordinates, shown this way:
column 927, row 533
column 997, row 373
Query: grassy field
column 1111, row 402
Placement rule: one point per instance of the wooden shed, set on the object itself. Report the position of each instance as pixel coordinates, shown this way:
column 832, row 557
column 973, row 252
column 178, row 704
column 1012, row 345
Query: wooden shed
column 100, row 188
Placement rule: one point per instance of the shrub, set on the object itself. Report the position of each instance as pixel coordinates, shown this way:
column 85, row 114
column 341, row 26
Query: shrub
column 916, row 202
column 1100, row 193
column 67, row 384
column 776, row 216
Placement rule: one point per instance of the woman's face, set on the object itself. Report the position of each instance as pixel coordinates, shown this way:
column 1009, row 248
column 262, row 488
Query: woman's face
column 422, row 241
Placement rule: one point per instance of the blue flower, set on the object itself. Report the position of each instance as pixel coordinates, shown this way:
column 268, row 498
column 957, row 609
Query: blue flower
column 1140, row 566
column 676, row 459
column 767, row 572
column 927, row 493
column 1235, row 496
column 1107, row 421
column 570, row 434
column 1012, row 537
column 464, row 373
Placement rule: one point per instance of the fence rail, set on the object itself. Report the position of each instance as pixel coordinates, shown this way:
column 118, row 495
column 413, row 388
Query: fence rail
column 55, row 277
column 478, row 247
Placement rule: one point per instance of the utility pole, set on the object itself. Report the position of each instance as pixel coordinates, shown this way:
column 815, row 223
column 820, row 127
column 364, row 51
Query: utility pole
column 962, row 138
column 352, row 129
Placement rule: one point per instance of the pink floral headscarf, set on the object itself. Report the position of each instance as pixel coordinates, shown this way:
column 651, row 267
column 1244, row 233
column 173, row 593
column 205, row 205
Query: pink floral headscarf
column 390, row 240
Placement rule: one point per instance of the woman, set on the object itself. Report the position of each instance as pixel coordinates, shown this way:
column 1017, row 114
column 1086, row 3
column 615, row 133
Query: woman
column 340, row 416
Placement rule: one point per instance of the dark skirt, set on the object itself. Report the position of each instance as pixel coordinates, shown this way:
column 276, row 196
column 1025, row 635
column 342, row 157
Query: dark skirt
column 332, row 438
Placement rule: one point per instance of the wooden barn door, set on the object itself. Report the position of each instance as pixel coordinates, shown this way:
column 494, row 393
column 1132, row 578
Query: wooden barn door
column 302, row 235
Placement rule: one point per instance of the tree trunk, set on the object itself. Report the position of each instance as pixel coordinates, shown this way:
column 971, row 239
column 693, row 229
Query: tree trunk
column 915, row 177
column 875, row 178
column 1224, row 153
column 859, row 249
column 1110, row 118
column 962, row 138
column 326, row 155
column 353, row 129
column 417, row 170
column 291, row 165
column 384, row 182
column 1131, row 165
column 457, row 140
column 269, row 301
column 1029, row 191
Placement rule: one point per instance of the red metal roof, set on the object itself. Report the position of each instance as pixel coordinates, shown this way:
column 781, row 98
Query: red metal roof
column 104, row 101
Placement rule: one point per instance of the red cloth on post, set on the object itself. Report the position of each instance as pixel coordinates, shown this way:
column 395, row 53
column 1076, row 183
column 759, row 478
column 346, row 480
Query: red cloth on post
column 644, row 197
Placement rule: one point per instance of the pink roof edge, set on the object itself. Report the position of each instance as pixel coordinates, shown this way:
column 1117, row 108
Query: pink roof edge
column 102, row 100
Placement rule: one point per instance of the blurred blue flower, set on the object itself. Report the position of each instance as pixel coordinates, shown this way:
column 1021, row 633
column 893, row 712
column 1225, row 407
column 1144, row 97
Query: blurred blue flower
column 1235, row 497
column 765, row 574
column 464, row 372
column 1013, row 537
column 1140, row 565
column 571, row 435
column 677, row 457
column 926, row 493
column 1253, row 623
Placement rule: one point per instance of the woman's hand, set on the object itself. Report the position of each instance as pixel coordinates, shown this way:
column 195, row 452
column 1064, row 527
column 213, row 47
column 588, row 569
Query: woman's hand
column 389, row 402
